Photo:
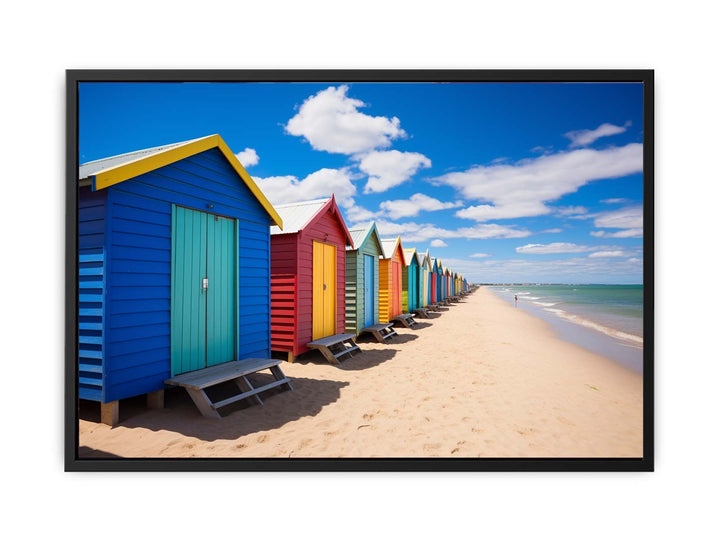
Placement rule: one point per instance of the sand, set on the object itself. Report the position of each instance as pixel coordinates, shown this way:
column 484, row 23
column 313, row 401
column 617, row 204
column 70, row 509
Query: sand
column 478, row 379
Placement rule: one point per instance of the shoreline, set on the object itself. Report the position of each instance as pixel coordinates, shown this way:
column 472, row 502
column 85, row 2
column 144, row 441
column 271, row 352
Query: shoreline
column 582, row 331
column 480, row 379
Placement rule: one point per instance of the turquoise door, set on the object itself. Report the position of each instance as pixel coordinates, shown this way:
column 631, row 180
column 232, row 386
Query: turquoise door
column 369, row 291
column 203, row 290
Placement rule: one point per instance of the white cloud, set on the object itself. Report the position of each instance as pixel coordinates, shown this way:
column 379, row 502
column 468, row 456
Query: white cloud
column 421, row 232
column 322, row 183
column 555, row 247
column 480, row 255
column 585, row 137
column 522, row 189
column 626, row 233
column 614, row 201
column 330, row 121
column 608, row 254
column 552, row 231
column 438, row 243
column 414, row 205
column 248, row 157
column 570, row 211
column 629, row 219
column 389, row 169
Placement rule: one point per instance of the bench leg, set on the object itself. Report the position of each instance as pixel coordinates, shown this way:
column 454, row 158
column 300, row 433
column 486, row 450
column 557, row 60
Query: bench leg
column 279, row 376
column 203, row 403
column 329, row 356
column 244, row 385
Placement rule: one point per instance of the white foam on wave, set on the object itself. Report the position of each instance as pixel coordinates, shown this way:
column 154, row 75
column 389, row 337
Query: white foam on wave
column 636, row 340
column 545, row 304
column 532, row 298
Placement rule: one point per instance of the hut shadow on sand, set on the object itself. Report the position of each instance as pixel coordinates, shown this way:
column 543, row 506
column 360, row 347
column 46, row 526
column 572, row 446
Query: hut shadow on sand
column 403, row 338
column 181, row 416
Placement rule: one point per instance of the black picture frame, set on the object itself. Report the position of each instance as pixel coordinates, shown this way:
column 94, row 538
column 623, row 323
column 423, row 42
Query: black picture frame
column 73, row 463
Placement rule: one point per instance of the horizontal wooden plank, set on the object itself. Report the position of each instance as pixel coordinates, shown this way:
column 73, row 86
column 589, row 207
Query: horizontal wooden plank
column 331, row 340
column 89, row 368
column 91, row 271
column 249, row 393
column 90, row 381
column 91, row 257
column 222, row 372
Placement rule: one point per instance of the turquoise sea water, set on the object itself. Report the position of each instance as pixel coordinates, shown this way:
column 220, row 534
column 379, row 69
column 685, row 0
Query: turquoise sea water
column 607, row 319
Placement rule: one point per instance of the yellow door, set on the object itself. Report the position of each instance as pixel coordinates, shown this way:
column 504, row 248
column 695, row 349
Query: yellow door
column 324, row 290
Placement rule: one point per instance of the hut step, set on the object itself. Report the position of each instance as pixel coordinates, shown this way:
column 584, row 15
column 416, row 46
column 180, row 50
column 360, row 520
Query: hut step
column 406, row 320
column 196, row 382
column 380, row 332
column 334, row 347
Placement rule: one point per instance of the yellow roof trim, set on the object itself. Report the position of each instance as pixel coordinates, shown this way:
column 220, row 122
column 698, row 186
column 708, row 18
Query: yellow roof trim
column 123, row 172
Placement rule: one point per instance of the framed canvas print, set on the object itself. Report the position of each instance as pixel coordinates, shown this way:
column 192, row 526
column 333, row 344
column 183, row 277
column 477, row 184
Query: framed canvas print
column 359, row 270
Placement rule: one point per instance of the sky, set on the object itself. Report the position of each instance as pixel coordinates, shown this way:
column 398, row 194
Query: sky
column 503, row 182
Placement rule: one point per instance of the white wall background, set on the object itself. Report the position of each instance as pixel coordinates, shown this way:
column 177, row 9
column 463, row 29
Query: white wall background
column 679, row 41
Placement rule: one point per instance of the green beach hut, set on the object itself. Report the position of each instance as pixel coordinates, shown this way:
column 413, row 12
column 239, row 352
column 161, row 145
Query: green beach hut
column 362, row 279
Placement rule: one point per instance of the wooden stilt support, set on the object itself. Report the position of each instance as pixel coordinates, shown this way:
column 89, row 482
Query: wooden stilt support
column 156, row 400
column 110, row 413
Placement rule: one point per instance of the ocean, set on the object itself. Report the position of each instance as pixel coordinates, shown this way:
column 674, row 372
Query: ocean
column 606, row 319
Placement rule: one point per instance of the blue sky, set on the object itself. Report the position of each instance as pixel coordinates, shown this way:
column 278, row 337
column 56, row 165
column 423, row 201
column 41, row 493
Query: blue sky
column 512, row 182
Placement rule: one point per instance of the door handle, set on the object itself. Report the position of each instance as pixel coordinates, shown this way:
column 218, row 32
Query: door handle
column 204, row 284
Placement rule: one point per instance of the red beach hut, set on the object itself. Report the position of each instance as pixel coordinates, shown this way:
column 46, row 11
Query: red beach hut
column 307, row 274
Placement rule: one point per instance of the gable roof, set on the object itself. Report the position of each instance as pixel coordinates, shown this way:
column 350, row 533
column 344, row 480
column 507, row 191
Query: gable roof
column 301, row 215
column 361, row 236
column 410, row 254
column 112, row 170
column 390, row 245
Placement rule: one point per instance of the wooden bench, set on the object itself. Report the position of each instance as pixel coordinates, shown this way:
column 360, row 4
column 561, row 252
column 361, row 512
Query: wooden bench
column 405, row 319
column 333, row 347
column 421, row 312
column 196, row 382
column 380, row 332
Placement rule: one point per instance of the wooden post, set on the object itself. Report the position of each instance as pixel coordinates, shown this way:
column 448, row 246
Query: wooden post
column 156, row 400
column 110, row 413
column 291, row 357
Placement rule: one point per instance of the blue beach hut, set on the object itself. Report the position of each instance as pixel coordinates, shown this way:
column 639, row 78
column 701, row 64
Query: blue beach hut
column 174, row 268
column 410, row 281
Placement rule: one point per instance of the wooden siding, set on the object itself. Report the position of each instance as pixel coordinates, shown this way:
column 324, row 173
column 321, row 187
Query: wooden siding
column 355, row 285
column 138, row 282
column 354, row 279
column 91, row 293
column 284, row 301
column 409, row 286
column 284, row 309
column 384, row 288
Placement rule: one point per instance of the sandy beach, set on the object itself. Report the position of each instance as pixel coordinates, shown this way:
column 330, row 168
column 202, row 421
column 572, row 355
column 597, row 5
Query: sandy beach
column 478, row 379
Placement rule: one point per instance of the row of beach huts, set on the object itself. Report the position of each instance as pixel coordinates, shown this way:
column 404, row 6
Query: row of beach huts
column 188, row 276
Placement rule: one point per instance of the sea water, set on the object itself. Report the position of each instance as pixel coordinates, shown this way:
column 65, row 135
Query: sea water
column 606, row 319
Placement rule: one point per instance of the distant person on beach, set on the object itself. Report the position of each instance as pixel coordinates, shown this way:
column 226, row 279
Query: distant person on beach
column 516, row 300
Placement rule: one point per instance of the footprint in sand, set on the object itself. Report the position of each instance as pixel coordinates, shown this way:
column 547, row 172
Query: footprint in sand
column 240, row 446
column 565, row 421
column 262, row 438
